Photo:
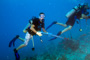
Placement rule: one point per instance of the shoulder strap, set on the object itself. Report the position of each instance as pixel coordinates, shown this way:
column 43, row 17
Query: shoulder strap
column 31, row 20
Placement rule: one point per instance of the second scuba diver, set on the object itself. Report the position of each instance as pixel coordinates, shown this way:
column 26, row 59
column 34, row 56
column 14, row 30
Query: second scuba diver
column 78, row 12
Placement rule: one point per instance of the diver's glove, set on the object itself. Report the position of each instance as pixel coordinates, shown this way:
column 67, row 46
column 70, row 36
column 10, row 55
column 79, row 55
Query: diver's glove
column 39, row 33
column 24, row 31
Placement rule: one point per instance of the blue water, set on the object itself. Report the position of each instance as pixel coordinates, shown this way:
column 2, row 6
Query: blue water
column 14, row 16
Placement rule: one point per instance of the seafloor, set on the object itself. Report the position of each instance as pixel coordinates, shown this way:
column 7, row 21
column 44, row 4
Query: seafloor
column 67, row 49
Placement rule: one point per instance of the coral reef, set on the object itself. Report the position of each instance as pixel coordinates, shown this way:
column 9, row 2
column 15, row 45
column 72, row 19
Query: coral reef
column 72, row 44
column 87, row 57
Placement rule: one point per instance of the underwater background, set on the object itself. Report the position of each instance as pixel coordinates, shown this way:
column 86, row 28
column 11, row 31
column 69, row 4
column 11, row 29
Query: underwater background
column 14, row 16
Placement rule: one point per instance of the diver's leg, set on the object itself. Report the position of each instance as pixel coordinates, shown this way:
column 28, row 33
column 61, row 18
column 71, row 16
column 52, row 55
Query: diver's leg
column 27, row 38
column 33, row 44
column 21, row 39
column 64, row 25
column 60, row 32
column 66, row 29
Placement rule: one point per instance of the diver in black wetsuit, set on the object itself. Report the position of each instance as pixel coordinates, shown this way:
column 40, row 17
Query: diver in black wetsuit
column 33, row 28
column 78, row 12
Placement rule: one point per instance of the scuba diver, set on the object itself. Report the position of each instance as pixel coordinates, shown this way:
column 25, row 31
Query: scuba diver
column 33, row 28
column 78, row 12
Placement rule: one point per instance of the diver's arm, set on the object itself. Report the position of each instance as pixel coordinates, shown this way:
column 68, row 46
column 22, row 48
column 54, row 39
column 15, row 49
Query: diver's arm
column 44, row 30
column 24, row 30
column 85, row 16
column 21, row 39
column 64, row 25
column 32, row 28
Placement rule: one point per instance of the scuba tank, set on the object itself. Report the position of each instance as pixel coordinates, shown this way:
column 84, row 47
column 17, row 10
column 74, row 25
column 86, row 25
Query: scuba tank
column 72, row 12
column 75, row 10
column 28, row 25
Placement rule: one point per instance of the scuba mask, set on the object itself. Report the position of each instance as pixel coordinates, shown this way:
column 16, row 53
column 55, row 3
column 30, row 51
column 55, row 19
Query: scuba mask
column 42, row 15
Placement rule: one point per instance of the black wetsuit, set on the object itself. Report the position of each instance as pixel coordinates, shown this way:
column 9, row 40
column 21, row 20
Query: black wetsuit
column 77, row 15
column 38, row 25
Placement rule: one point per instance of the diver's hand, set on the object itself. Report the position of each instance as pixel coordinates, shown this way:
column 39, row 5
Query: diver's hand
column 24, row 31
column 39, row 33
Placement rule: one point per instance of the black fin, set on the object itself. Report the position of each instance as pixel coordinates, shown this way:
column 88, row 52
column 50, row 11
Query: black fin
column 13, row 40
column 51, row 24
column 16, row 54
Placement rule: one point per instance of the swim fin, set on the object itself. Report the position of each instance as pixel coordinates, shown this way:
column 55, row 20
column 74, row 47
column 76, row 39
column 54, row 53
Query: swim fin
column 13, row 40
column 51, row 24
column 16, row 54
column 59, row 33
